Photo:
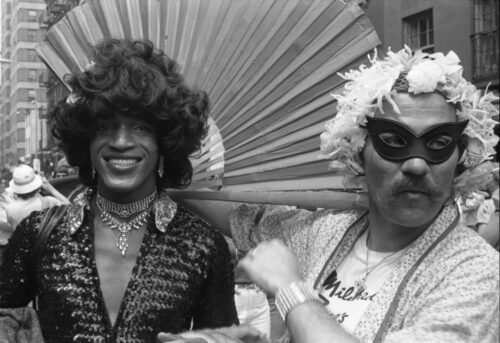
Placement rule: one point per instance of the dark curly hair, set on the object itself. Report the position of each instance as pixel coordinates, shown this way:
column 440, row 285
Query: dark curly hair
column 135, row 79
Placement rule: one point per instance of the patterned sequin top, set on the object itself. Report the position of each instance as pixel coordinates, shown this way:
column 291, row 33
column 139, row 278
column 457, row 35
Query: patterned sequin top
column 182, row 277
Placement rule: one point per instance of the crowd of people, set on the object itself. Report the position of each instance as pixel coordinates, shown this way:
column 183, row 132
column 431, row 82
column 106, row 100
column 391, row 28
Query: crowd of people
column 127, row 263
column 27, row 192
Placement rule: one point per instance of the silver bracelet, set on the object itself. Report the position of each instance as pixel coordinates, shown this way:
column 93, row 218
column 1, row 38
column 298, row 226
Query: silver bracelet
column 294, row 294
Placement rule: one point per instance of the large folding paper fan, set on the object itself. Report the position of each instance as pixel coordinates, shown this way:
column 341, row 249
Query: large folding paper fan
column 269, row 67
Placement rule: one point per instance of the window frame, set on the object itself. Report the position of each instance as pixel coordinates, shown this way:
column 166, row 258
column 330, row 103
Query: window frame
column 413, row 31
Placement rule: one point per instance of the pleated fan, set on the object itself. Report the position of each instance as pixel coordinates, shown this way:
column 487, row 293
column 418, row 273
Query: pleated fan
column 269, row 67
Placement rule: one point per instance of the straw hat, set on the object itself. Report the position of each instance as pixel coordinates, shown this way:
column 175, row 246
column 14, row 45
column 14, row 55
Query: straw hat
column 24, row 180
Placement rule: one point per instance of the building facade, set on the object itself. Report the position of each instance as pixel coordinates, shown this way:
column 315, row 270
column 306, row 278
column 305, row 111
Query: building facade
column 468, row 27
column 23, row 128
column 28, row 90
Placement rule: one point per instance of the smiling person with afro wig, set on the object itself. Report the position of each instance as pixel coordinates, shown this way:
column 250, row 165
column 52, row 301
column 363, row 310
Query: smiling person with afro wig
column 125, row 260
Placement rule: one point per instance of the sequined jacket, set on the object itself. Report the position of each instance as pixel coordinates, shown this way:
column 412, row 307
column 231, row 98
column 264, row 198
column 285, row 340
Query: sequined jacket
column 182, row 275
column 444, row 289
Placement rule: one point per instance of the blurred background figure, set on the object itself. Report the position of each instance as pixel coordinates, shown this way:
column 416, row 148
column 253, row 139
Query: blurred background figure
column 251, row 302
column 5, row 229
column 480, row 209
column 31, row 193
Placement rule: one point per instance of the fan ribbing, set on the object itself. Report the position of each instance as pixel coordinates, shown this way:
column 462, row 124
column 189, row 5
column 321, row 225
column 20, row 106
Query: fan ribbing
column 269, row 67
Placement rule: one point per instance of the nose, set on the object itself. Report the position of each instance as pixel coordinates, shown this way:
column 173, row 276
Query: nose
column 122, row 138
column 415, row 166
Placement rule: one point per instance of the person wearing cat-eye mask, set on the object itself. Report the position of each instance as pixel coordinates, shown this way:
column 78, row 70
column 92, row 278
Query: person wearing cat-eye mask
column 414, row 134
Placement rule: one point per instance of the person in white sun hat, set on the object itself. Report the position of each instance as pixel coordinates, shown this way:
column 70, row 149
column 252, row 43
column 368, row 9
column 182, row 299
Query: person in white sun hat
column 28, row 187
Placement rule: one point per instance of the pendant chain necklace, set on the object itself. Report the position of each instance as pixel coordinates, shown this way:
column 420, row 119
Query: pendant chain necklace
column 361, row 283
column 107, row 209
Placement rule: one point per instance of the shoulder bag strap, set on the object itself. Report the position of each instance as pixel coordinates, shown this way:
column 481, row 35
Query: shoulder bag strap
column 49, row 222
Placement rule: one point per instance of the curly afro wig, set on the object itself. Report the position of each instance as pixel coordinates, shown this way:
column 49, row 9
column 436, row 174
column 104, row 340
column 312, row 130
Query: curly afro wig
column 135, row 79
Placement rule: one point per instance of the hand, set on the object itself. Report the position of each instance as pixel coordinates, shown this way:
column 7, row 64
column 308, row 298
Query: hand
column 231, row 334
column 271, row 276
column 171, row 338
column 46, row 186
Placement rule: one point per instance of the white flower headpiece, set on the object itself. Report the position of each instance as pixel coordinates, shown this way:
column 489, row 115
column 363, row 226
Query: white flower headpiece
column 366, row 89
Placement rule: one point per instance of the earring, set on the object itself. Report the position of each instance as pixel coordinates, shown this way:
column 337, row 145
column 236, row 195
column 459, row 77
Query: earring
column 160, row 167
column 92, row 172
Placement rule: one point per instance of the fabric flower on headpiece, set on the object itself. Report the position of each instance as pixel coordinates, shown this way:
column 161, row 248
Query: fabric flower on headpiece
column 367, row 87
column 424, row 77
column 89, row 66
column 72, row 98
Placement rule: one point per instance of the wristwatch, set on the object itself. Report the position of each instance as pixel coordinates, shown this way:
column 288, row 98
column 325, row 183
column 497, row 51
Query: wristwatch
column 294, row 294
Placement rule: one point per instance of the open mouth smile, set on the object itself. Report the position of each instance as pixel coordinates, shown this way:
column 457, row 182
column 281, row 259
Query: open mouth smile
column 122, row 162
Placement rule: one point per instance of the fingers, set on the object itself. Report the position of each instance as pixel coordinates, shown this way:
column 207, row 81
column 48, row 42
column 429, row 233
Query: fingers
column 240, row 331
column 212, row 336
column 265, row 245
column 271, row 276
column 232, row 334
column 245, row 333
column 171, row 338
column 167, row 337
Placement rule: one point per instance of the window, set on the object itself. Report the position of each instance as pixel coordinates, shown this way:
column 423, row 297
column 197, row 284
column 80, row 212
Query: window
column 32, row 57
column 485, row 49
column 21, row 116
column 20, row 135
column 31, row 94
column 32, row 75
column 32, row 16
column 419, row 31
column 31, row 37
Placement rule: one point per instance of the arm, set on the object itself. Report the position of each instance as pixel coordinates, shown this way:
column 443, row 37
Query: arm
column 254, row 222
column 311, row 323
column 214, row 212
column 487, row 222
column 231, row 334
column 490, row 231
column 15, row 288
column 308, row 322
column 50, row 190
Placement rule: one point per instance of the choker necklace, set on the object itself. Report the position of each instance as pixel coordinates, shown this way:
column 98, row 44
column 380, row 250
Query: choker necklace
column 125, row 210
column 361, row 283
column 122, row 227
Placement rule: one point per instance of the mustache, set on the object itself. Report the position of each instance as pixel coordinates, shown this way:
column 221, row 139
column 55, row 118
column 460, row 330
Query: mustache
column 417, row 184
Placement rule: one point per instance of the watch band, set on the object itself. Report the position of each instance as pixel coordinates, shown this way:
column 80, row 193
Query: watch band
column 294, row 294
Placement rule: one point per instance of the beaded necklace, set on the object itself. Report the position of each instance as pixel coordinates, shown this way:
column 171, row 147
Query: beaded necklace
column 106, row 209
column 125, row 210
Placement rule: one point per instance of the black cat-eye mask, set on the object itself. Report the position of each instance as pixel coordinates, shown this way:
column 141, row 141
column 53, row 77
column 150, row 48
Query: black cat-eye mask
column 395, row 141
